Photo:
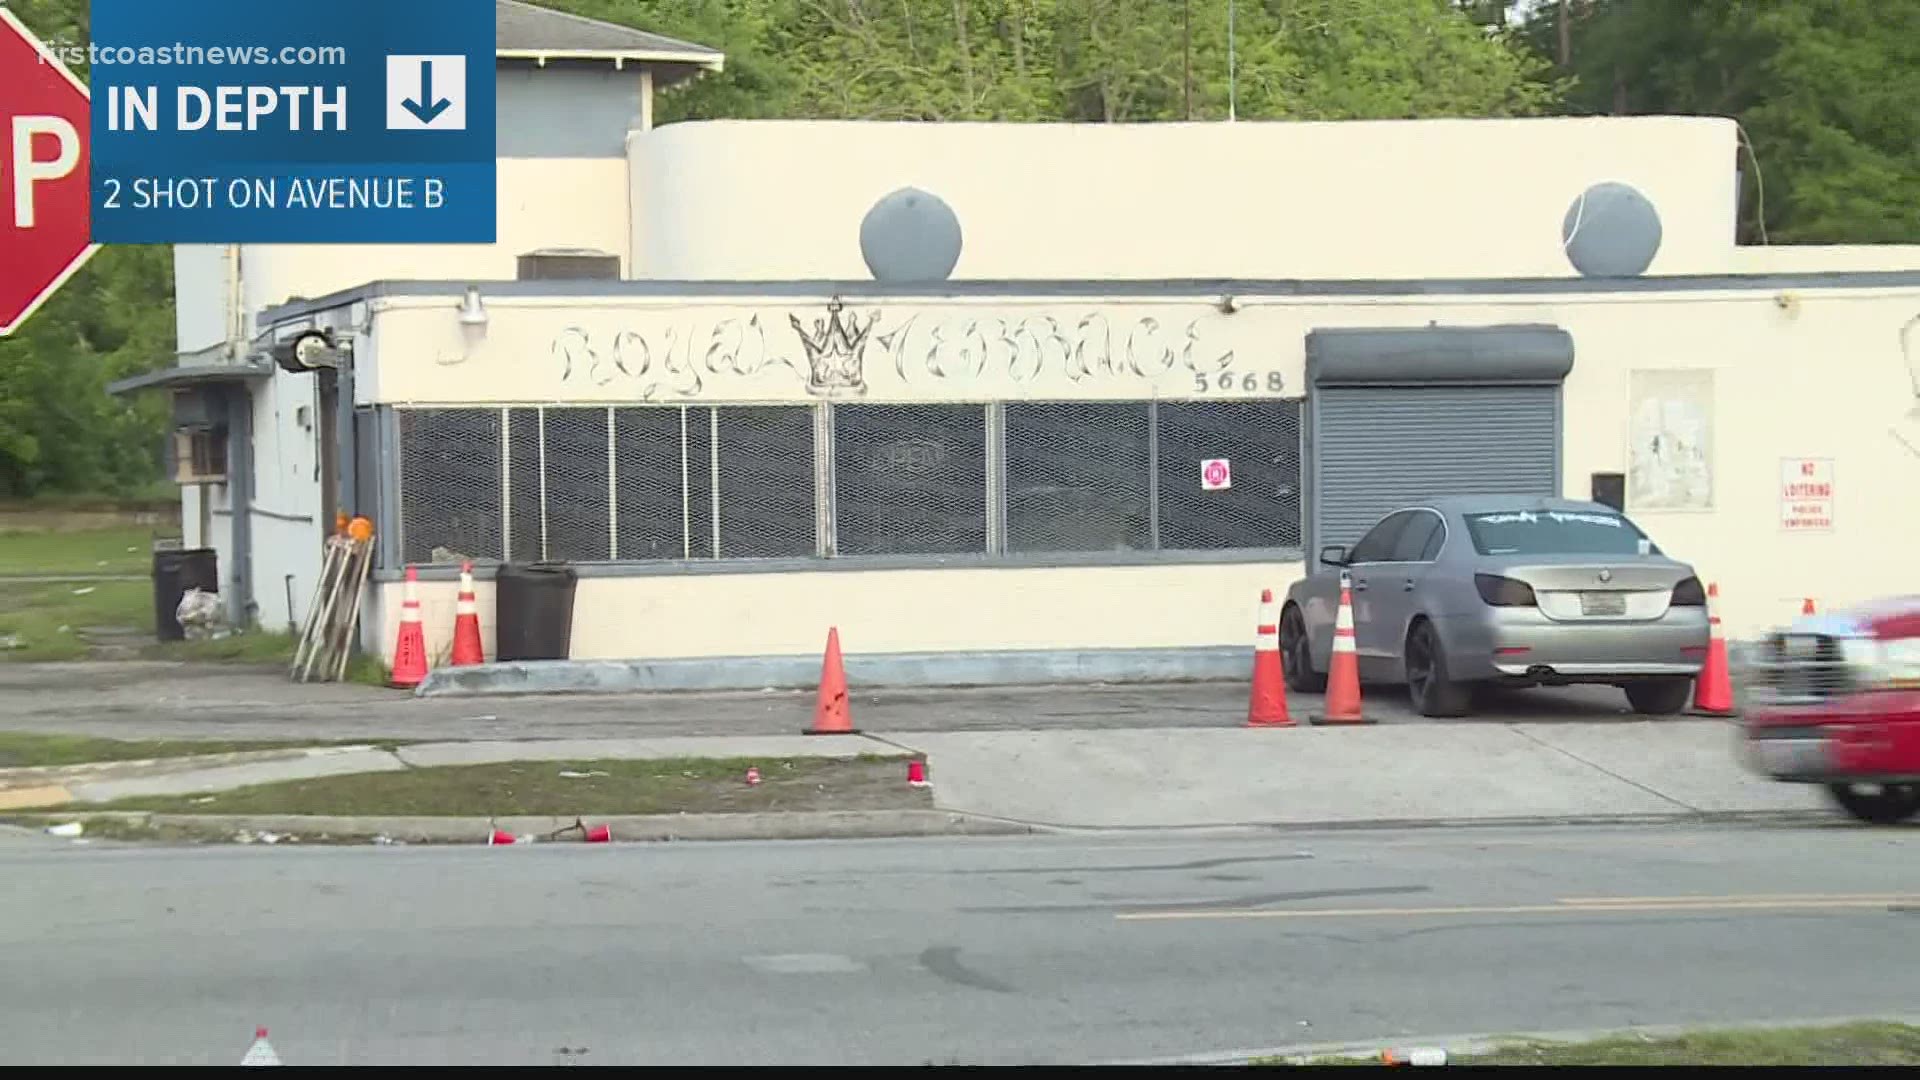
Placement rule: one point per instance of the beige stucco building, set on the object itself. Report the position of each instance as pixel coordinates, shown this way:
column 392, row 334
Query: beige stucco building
column 738, row 438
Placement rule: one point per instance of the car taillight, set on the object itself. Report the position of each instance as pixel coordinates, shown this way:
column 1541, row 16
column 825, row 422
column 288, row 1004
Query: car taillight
column 1503, row 592
column 1689, row 593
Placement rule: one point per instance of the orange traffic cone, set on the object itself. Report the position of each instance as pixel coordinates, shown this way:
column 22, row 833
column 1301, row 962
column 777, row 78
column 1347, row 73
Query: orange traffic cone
column 1713, row 687
column 410, row 652
column 831, row 715
column 1343, row 671
column 466, row 624
column 1268, row 708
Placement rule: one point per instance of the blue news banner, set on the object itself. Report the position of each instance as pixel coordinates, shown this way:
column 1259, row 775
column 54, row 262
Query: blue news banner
column 220, row 121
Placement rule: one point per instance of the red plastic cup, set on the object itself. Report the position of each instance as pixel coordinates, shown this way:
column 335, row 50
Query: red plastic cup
column 600, row 834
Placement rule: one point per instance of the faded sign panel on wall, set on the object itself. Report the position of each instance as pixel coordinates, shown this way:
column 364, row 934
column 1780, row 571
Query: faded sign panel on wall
column 1670, row 432
column 875, row 352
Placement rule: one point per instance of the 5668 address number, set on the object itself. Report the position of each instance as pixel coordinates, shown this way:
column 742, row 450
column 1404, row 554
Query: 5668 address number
column 1227, row 382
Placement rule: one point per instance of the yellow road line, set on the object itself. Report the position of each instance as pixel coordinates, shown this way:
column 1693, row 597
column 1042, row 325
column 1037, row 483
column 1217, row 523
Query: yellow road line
column 1888, row 897
column 1563, row 907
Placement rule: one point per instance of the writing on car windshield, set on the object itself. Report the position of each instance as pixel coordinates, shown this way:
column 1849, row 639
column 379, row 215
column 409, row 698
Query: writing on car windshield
column 1556, row 532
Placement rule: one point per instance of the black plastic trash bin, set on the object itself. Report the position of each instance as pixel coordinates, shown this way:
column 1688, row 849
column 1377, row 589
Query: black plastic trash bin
column 533, row 611
column 174, row 572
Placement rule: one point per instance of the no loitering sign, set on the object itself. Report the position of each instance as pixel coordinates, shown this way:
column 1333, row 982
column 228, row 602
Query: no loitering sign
column 1806, row 494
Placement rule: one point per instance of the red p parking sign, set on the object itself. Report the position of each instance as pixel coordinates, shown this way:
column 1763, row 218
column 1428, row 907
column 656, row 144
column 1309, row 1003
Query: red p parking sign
column 45, row 215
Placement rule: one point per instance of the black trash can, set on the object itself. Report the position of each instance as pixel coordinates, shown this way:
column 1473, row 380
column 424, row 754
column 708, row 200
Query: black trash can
column 174, row 572
column 533, row 611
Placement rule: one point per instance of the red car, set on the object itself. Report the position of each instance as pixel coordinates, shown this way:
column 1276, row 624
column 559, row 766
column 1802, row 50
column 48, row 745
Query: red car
column 1835, row 700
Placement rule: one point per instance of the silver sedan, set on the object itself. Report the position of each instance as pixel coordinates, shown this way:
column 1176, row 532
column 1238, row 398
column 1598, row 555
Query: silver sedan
column 1467, row 591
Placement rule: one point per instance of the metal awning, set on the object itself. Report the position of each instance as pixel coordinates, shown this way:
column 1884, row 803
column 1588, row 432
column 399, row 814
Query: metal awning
column 190, row 375
column 1423, row 355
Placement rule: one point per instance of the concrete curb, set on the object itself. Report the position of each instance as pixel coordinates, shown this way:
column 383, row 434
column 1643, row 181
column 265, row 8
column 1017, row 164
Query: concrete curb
column 829, row 825
column 889, row 670
column 849, row 824
column 921, row 670
column 1681, row 817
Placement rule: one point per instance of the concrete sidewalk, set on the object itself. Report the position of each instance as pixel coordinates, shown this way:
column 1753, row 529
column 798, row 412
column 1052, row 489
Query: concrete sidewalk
column 147, row 700
column 1427, row 774
column 1179, row 777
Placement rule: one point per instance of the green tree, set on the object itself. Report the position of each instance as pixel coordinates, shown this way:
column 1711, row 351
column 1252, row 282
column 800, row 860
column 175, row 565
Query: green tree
column 1827, row 94
column 1092, row 60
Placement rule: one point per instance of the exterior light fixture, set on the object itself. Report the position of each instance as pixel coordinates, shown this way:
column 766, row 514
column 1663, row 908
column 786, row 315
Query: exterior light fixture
column 471, row 311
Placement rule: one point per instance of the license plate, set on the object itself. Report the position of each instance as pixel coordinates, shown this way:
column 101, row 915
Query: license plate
column 1603, row 603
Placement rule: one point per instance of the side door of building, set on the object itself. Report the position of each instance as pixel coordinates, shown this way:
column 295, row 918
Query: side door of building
column 1370, row 570
column 1402, row 578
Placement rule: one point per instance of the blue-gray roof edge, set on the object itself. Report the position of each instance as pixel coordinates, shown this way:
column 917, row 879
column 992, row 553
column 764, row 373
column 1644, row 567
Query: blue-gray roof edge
column 1118, row 289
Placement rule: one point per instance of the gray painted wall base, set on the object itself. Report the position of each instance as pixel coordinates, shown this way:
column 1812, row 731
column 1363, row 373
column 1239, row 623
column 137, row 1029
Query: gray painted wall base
column 890, row 670
column 1012, row 668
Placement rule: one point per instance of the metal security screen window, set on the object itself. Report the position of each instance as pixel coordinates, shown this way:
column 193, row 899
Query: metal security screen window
column 1080, row 476
column 981, row 482
column 1260, row 441
column 598, row 484
column 451, row 497
column 910, row 479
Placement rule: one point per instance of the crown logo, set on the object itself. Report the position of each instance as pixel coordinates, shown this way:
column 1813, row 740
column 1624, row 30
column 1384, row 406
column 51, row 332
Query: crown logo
column 833, row 350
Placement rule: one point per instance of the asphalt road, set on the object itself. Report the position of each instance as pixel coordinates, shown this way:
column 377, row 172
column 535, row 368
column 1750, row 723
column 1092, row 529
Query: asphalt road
column 148, row 701
column 1031, row 950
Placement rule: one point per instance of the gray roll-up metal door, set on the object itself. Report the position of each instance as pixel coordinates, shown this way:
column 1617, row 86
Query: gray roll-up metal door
column 1399, row 415
column 1379, row 448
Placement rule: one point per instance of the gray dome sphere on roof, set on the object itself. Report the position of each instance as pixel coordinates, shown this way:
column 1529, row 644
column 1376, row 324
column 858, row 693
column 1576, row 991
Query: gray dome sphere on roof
column 1611, row 230
column 910, row 235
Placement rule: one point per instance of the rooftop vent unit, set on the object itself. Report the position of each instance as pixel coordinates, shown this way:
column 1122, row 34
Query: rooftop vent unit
column 568, row 264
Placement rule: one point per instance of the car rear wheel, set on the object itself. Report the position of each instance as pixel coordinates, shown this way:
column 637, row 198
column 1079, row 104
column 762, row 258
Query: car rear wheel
column 1877, row 804
column 1659, row 697
column 1301, row 678
column 1433, row 691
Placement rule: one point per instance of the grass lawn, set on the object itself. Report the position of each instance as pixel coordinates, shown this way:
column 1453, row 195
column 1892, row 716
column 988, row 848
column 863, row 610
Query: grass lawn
column 45, row 620
column 1846, row 1044
column 682, row 785
column 41, row 620
column 29, row 749
column 122, row 550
